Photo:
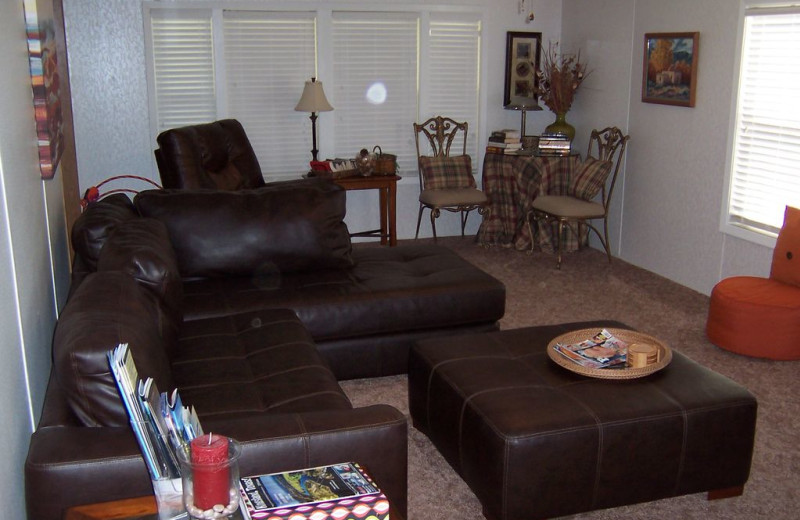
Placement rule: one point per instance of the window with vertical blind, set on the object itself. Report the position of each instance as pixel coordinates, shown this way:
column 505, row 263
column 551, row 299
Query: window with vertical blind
column 268, row 57
column 765, row 176
column 452, row 74
column 251, row 64
column 375, row 83
column 182, row 59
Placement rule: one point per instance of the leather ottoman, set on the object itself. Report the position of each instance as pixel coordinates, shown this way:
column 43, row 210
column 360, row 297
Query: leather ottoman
column 534, row 440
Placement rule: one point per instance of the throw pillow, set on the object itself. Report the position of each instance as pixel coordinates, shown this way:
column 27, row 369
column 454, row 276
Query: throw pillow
column 447, row 172
column 285, row 227
column 786, row 256
column 589, row 178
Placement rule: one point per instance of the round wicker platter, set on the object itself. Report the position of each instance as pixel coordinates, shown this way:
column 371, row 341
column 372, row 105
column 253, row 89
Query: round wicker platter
column 628, row 336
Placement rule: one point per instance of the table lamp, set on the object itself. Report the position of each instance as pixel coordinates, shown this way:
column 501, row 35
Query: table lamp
column 313, row 100
column 523, row 105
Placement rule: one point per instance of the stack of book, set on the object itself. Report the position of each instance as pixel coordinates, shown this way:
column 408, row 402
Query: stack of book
column 504, row 141
column 554, row 144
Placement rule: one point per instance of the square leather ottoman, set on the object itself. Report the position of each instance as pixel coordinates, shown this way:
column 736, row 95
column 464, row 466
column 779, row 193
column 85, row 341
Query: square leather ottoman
column 534, row 440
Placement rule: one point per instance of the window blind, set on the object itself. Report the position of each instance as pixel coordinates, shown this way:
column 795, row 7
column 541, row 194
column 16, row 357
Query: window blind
column 451, row 76
column 765, row 175
column 268, row 58
column 375, row 84
column 183, row 68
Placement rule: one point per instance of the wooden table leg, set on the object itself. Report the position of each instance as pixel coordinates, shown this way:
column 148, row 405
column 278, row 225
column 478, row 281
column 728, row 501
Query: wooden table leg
column 384, row 213
column 392, row 214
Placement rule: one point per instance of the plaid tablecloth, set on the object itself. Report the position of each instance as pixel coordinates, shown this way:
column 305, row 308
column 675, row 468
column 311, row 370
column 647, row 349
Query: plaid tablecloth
column 512, row 182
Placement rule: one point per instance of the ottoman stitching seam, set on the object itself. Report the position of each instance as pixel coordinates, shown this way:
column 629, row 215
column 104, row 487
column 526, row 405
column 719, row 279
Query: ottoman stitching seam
column 684, row 439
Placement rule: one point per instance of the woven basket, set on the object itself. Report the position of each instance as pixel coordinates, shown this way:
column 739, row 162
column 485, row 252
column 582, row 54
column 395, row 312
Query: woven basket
column 385, row 163
column 628, row 336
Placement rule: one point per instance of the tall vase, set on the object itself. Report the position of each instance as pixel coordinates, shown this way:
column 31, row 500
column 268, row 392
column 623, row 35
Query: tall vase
column 561, row 126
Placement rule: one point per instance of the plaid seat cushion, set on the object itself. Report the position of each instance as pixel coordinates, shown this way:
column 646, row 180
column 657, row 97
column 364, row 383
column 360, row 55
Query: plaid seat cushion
column 590, row 176
column 447, row 172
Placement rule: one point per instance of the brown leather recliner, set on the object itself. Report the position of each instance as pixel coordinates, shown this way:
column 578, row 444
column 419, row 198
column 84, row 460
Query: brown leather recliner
column 214, row 155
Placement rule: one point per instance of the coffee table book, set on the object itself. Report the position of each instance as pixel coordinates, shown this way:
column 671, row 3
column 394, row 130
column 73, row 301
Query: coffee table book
column 342, row 491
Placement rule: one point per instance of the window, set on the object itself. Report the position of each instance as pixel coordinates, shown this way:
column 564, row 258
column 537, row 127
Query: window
column 382, row 71
column 765, row 176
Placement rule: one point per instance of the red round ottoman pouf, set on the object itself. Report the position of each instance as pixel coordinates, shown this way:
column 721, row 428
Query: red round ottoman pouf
column 757, row 317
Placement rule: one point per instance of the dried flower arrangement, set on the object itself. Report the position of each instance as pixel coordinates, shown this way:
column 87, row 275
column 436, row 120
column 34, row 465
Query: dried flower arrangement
column 559, row 78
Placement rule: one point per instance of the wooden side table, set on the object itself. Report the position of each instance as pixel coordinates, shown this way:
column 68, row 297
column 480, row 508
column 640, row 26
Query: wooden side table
column 142, row 508
column 387, row 188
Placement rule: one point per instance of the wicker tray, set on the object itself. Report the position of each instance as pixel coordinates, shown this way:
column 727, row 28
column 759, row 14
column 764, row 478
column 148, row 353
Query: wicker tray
column 628, row 336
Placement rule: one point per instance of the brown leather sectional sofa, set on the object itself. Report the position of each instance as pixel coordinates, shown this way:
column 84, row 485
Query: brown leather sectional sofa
column 254, row 305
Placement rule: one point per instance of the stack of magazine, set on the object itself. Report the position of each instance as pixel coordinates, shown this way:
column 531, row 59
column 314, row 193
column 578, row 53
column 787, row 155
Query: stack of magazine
column 603, row 350
column 162, row 424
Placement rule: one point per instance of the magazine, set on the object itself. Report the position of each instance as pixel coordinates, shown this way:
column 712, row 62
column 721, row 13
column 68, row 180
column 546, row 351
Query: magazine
column 603, row 350
column 306, row 486
column 163, row 426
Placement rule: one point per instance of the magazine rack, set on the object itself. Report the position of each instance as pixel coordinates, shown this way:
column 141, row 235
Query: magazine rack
column 628, row 336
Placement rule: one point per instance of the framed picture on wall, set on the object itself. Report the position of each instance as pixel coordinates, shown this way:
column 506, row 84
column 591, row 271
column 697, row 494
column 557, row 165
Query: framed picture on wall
column 44, row 58
column 670, row 68
column 523, row 50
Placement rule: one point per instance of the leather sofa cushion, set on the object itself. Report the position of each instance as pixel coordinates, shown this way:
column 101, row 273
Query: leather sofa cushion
column 296, row 226
column 389, row 290
column 95, row 224
column 252, row 362
column 107, row 309
column 214, row 155
column 141, row 248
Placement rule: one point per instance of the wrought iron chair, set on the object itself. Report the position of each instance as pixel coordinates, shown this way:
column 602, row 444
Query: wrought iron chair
column 446, row 181
column 576, row 208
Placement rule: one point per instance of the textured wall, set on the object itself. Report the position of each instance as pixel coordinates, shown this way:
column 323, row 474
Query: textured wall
column 105, row 40
column 669, row 212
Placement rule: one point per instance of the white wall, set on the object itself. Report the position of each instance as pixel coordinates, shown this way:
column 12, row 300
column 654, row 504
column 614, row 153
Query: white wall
column 28, row 206
column 667, row 216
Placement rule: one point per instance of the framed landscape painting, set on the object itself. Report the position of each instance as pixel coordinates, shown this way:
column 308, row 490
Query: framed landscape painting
column 523, row 50
column 670, row 68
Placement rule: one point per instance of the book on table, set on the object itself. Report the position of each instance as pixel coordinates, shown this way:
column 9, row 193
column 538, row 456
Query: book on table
column 299, row 493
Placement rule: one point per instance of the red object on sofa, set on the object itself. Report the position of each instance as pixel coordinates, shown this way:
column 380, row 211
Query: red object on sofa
column 760, row 317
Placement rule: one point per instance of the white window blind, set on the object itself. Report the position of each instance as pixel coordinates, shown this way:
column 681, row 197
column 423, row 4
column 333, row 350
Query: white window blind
column 183, row 68
column 451, row 75
column 375, row 84
column 251, row 63
column 765, row 174
column 268, row 58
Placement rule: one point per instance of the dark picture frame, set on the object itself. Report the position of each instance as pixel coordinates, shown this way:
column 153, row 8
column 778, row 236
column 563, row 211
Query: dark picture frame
column 669, row 74
column 523, row 54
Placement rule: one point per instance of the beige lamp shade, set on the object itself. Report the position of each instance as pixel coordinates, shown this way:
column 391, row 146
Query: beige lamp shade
column 313, row 98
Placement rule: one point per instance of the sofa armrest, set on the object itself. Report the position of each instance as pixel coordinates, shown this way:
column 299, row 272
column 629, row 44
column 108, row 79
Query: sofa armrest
column 68, row 466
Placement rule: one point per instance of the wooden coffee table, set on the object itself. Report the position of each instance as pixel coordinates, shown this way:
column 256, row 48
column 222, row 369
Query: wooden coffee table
column 142, row 508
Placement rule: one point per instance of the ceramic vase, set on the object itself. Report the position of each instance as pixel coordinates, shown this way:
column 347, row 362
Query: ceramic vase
column 561, row 126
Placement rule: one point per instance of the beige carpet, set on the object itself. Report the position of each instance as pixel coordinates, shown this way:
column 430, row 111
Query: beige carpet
column 586, row 288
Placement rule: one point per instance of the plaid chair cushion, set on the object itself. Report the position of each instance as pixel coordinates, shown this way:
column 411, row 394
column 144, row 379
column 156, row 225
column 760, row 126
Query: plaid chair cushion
column 446, row 172
column 590, row 176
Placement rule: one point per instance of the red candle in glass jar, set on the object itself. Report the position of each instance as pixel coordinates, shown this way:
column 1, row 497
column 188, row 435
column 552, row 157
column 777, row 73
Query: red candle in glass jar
column 211, row 471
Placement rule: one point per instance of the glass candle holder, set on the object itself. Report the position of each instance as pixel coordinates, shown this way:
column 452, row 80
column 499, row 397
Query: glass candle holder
column 210, row 474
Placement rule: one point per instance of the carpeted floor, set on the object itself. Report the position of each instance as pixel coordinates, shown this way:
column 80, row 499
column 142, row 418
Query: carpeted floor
column 586, row 288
